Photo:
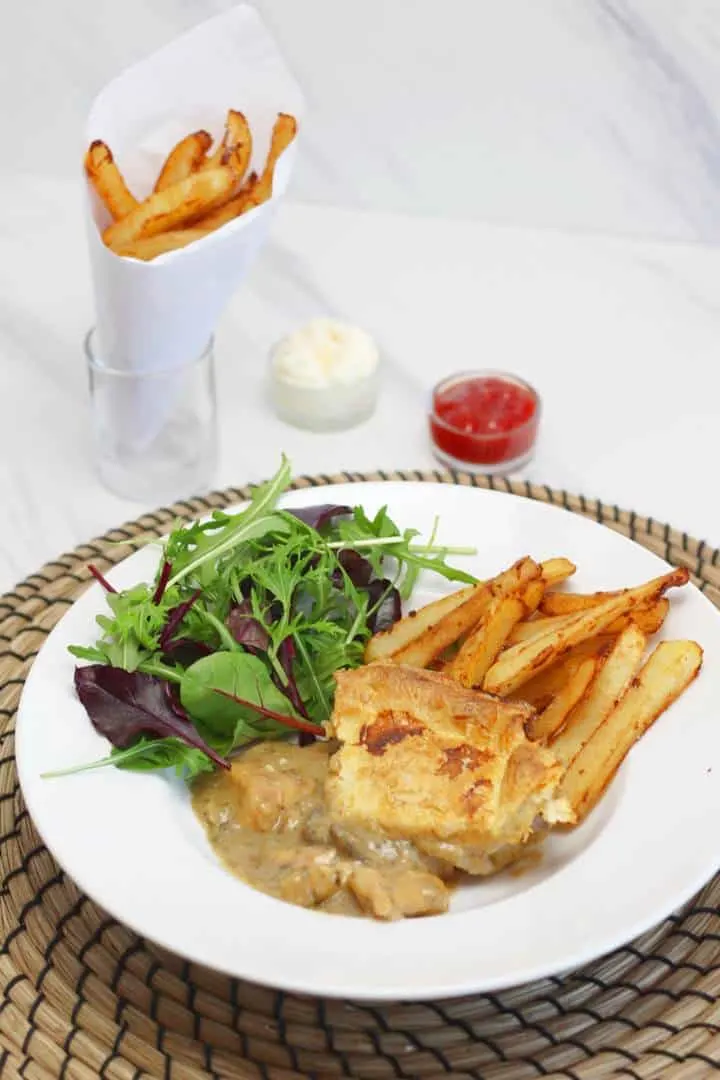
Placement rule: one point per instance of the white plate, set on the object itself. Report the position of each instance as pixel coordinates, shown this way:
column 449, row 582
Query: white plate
column 132, row 843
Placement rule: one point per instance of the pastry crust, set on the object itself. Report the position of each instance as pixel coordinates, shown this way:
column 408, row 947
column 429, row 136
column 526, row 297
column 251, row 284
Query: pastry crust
column 448, row 768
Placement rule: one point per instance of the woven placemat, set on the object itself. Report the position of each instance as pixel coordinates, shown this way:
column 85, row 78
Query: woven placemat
column 83, row 997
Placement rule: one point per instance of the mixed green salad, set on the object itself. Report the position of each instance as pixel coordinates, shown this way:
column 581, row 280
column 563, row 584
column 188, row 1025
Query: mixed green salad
column 240, row 634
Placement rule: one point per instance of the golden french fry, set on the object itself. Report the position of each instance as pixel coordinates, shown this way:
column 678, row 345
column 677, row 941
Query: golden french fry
column 214, row 160
column 528, row 658
column 555, row 603
column 237, row 142
column 523, row 661
column 283, row 133
column 541, row 689
column 555, row 571
column 532, row 595
column 447, row 630
column 406, row 630
column 231, row 209
column 149, row 247
column 545, row 724
column 484, row 643
column 107, row 180
column 648, row 617
column 183, row 159
column 671, row 668
column 178, row 205
column 616, row 671
column 383, row 644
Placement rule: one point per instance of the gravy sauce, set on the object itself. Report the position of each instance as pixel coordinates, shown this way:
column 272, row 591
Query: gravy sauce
column 268, row 821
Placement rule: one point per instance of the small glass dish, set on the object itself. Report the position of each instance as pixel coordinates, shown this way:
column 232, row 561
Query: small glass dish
column 484, row 421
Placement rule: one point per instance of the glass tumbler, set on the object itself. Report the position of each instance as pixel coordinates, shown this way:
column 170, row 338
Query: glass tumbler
column 154, row 433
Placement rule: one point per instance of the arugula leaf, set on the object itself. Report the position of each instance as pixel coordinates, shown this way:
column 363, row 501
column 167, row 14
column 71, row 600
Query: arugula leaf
column 360, row 532
column 148, row 755
column 320, row 653
column 255, row 521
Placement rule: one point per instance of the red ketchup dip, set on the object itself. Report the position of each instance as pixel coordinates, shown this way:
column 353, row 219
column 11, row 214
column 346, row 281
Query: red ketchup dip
column 484, row 420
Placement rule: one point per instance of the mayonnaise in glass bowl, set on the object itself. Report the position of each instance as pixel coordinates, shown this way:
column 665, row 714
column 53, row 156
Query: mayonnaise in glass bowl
column 324, row 376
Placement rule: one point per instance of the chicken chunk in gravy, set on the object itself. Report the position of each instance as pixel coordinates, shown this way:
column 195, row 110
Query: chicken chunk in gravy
column 269, row 822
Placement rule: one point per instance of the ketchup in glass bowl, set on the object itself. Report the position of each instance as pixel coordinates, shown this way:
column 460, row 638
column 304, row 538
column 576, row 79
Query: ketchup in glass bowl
column 485, row 421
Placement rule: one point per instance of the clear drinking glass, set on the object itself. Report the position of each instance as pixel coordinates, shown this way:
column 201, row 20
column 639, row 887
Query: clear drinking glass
column 154, row 432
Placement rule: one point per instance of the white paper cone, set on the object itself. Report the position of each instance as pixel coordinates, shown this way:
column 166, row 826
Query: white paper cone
column 155, row 315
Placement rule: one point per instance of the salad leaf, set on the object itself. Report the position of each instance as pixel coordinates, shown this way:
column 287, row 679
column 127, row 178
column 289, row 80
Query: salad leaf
column 162, row 581
column 356, row 566
column 243, row 676
column 249, row 617
column 385, row 605
column 286, row 656
column 147, row 755
column 174, row 619
column 320, row 516
column 124, row 705
column 101, row 579
column 379, row 539
column 247, row 630
column 256, row 520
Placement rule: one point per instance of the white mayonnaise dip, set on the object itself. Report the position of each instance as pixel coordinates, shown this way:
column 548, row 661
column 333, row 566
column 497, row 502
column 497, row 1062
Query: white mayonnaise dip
column 324, row 375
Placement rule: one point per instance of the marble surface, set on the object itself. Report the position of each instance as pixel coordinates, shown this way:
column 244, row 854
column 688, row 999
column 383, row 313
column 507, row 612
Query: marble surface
column 582, row 114
column 532, row 185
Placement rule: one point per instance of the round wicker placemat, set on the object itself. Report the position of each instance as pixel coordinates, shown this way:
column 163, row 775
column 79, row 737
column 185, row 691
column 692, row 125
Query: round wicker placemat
column 83, row 997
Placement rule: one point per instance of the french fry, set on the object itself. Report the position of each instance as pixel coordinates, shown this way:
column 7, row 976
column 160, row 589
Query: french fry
column 107, row 180
column 237, row 142
column 283, row 133
column 214, row 160
column 482, row 646
column 555, row 571
column 183, row 159
column 555, row 603
column 164, row 211
column 648, row 617
column 231, row 209
column 382, row 645
column 671, row 668
column 541, row 689
column 545, row 724
column 385, row 643
column 528, row 658
column 447, row 630
column 149, row 247
column 521, row 662
column 615, row 673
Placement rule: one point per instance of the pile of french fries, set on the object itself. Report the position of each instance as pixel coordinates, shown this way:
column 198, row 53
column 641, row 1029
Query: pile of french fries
column 199, row 189
column 578, row 659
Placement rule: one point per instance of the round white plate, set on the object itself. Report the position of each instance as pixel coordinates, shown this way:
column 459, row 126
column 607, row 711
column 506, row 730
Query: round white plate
column 131, row 841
